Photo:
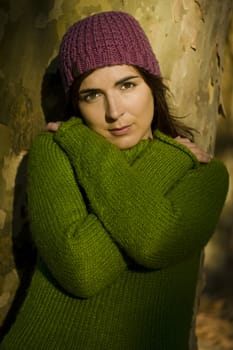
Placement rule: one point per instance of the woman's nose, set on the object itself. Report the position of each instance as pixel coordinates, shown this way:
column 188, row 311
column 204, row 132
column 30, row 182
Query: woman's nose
column 113, row 108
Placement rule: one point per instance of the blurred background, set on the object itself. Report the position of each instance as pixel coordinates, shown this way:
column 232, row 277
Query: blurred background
column 215, row 316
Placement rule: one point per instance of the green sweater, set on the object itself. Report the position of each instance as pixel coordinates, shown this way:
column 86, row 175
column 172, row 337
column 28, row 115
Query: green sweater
column 119, row 236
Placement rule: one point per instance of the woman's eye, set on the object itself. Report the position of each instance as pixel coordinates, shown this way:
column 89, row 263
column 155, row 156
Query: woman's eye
column 127, row 85
column 92, row 96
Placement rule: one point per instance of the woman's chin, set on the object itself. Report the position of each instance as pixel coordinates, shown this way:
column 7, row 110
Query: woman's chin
column 125, row 143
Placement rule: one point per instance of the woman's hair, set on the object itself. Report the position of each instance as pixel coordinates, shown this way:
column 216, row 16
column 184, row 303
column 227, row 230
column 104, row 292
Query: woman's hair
column 163, row 119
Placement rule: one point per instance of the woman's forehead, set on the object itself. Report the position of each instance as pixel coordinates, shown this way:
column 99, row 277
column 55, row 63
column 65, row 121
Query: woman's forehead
column 109, row 75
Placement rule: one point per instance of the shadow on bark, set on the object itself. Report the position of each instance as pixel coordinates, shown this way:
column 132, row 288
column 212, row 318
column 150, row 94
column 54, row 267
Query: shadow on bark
column 24, row 251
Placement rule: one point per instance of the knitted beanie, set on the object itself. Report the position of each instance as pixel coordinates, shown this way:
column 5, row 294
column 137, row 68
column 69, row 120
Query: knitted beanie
column 104, row 39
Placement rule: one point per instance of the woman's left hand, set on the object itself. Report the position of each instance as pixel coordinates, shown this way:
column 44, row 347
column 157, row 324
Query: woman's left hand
column 201, row 155
column 53, row 126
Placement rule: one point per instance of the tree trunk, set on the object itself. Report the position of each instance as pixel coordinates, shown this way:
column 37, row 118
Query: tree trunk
column 188, row 37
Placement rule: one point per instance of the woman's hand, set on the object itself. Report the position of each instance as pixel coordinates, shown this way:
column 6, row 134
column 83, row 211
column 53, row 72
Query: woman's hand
column 53, row 126
column 202, row 156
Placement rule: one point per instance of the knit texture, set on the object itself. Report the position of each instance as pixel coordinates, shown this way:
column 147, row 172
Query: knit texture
column 104, row 39
column 119, row 252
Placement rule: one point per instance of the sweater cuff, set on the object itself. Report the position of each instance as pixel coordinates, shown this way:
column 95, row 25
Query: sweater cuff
column 170, row 141
column 69, row 134
column 70, row 124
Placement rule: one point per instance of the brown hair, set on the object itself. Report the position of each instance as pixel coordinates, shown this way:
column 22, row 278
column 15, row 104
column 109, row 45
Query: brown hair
column 163, row 119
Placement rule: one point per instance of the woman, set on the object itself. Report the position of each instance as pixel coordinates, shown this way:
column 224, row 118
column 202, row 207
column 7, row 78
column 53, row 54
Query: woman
column 121, row 203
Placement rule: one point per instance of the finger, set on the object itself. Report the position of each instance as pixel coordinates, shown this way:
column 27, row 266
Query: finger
column 202, row 156
column 53, row 126
column 205, row 158
column 182, row 140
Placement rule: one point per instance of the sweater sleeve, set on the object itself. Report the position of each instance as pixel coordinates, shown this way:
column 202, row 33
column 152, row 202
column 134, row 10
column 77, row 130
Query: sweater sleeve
column 159, row 220
column 73, row 243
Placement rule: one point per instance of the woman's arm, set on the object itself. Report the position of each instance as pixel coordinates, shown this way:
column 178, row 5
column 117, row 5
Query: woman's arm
column 140, row 205
column 73, row 243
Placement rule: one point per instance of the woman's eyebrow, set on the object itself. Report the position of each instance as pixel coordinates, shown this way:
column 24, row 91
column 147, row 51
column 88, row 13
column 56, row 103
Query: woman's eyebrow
column 118, row 82
column 84, row 91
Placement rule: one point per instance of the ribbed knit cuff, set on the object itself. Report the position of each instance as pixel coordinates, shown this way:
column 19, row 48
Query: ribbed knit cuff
column 166, row 139
column 75, row 137
column 67, row 127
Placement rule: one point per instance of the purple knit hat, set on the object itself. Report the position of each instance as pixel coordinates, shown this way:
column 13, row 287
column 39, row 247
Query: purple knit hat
column 104, row 39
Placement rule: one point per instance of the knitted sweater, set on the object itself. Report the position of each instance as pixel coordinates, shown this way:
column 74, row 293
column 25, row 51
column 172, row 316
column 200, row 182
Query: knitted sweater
column 119, row 236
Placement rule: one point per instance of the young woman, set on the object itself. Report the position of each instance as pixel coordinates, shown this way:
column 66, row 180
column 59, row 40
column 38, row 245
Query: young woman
column 121, row 204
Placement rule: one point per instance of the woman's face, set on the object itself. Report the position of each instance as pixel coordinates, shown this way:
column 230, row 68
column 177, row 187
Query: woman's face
column 116, row 102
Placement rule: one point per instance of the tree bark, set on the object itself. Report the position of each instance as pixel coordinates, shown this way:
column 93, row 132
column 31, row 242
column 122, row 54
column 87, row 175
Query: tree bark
column 188, row 37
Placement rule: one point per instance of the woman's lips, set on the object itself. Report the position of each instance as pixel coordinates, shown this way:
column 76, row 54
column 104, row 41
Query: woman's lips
column 120, row 131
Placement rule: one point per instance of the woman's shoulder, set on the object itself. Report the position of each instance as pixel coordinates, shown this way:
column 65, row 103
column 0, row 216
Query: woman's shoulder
column 216, row 169
column 45, row 149
column 43, row 143
column 42, row 139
